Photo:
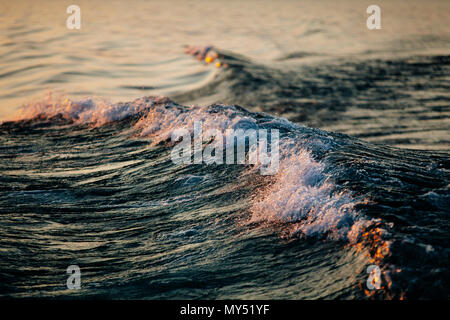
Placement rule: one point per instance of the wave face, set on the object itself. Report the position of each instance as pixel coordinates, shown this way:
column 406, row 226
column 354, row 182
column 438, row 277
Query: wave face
column 92, row 184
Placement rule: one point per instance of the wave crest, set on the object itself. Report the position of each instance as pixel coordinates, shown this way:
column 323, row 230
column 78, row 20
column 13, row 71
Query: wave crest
column 303, row 195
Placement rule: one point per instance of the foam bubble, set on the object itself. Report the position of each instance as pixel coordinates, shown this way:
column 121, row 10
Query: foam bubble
column 85, row 110
column 303, row 195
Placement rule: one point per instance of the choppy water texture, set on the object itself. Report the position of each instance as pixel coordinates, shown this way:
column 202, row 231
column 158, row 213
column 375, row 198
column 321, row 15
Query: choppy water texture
column 364, row 139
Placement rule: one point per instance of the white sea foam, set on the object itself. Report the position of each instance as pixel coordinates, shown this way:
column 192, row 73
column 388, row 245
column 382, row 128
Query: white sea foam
column 160, row 116
column 303, row 195
column 161, row 121
column 96, row 112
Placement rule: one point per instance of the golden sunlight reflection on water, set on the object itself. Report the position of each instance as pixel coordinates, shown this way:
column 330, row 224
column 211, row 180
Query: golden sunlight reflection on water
column 128, row 49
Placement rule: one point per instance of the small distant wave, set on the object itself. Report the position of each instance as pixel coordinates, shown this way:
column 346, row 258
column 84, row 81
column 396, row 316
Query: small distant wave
column 382, row 100
column 85, row 111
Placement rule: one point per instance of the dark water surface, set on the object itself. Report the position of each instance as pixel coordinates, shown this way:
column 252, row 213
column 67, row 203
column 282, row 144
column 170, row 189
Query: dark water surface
column 364, row 140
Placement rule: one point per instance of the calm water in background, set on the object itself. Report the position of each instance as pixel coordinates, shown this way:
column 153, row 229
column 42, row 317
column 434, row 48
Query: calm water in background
column 140, row 227
column 127, row 49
